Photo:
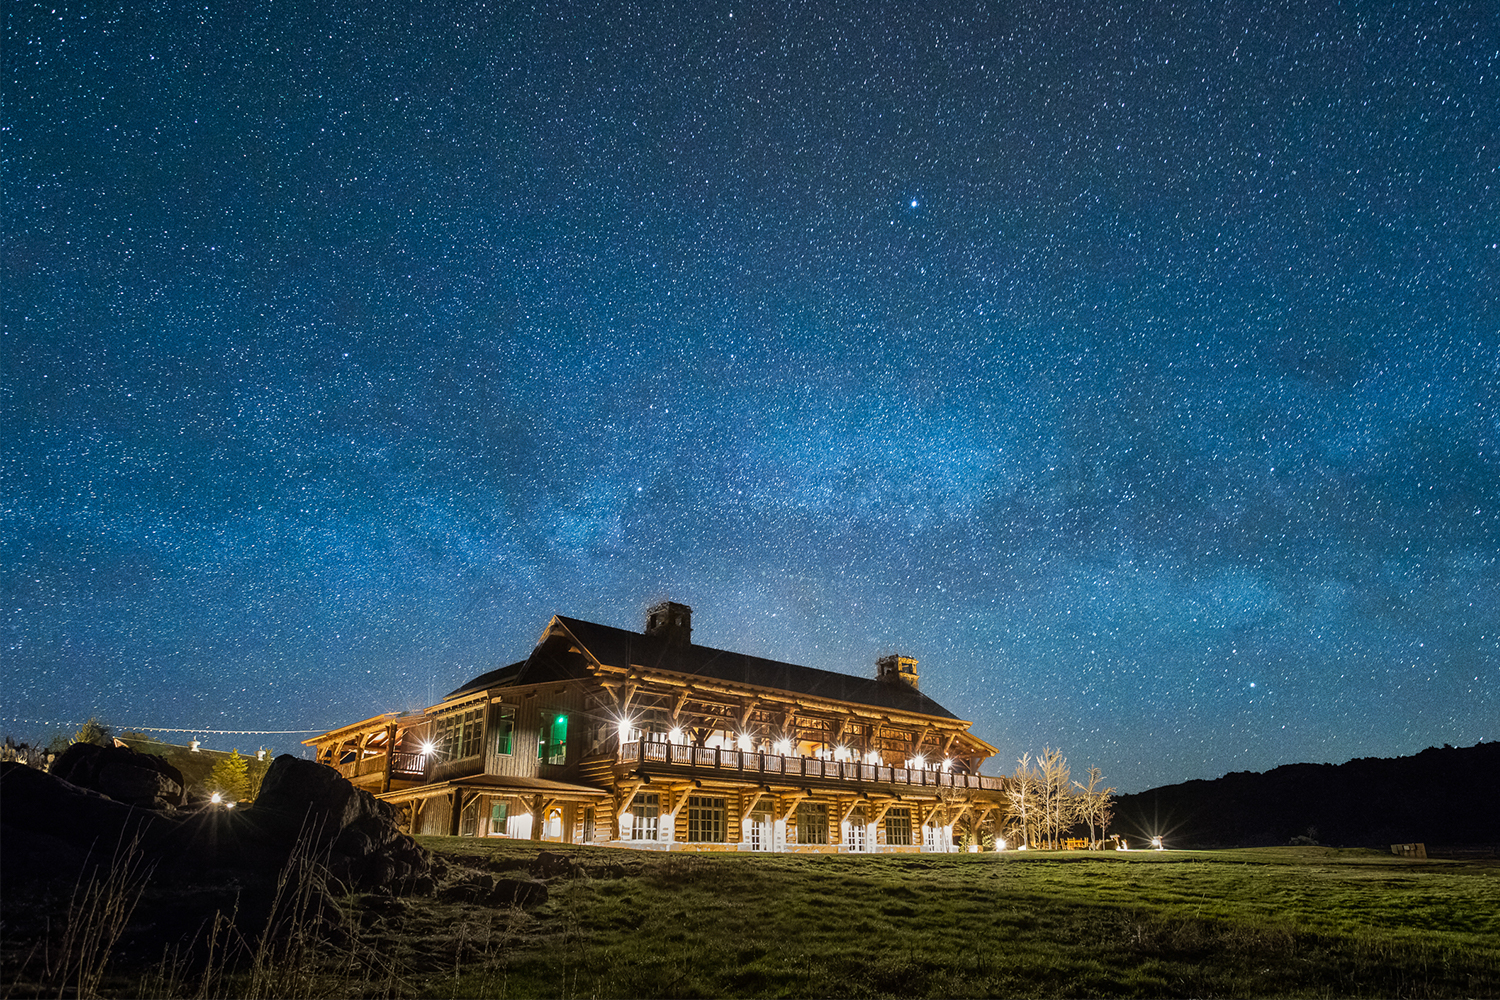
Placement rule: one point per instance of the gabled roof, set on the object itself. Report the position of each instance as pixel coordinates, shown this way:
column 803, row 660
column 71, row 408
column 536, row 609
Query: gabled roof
column 555, row 659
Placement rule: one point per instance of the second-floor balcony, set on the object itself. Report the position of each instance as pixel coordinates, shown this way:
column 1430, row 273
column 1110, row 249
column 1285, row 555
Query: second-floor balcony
column 405, row 766
column 652, row 756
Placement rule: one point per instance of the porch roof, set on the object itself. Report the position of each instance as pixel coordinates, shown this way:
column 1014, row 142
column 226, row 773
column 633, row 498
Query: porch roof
column 500, row 784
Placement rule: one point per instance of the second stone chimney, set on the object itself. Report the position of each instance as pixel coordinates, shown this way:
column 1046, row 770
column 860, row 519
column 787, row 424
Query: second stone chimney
column 672, row 622
column 898, row 668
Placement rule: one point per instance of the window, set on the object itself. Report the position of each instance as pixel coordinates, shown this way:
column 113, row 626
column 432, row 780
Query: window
column 644, row 812
column 812, row 823
column 505, row 728
column 468, row 818
column 552, row 747
column 459, row 734
column 898, row 827
column 499, row 813
column 588, row 825
column 706, row 823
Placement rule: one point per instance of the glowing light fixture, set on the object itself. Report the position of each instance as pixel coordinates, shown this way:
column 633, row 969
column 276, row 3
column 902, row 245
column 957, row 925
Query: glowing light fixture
column 675, row 736
column 743, row 742
column 999, row 843
column 428, row 748
column 784, row 747
column 947, row 763
column 216, row 798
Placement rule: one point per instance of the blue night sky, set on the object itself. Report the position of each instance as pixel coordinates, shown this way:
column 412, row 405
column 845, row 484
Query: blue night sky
column 1135, row 367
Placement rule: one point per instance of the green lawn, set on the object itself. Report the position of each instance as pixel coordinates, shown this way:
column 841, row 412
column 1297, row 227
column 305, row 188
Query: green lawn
column 1273, row 922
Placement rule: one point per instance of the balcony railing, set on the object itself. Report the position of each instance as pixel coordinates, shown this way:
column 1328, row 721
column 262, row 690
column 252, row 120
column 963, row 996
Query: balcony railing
column 646, row 752
column 403, row 765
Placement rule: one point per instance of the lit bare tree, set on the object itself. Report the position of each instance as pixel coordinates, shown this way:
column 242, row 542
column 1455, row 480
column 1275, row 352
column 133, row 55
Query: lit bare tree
column 1021, row 790
column 1055, row 788
column 1095, row 804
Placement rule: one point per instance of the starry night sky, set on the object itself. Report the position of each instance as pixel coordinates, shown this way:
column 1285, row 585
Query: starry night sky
column 1135, row 367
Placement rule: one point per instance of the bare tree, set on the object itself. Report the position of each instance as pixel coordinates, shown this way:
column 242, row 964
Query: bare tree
column 1021, row 790
column 1057, row 804
column 1095, row 804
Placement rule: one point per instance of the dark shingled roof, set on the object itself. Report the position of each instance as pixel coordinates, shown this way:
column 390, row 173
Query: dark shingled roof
column 552, row 661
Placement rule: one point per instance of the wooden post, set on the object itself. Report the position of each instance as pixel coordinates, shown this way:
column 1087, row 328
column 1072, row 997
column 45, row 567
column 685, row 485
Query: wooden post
column 390, row 753
column 538, row 817
column 458, row 805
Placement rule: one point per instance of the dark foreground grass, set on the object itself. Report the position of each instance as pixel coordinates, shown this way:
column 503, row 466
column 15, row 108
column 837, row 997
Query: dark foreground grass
column 1287, row 922
column 1281, row 922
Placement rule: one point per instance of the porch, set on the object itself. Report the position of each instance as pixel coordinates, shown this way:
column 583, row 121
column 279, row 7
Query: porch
column 652, row 758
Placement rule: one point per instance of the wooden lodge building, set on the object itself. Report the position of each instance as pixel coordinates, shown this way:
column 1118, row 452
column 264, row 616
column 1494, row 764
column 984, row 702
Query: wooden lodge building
column 645, row 740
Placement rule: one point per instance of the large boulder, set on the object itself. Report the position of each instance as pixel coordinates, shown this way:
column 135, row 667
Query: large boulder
column 123, row 774
column 365, row 848
column 302, row 806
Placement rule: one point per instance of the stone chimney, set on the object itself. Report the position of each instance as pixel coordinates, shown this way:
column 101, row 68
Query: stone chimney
column 672, row 621
column 897, row 668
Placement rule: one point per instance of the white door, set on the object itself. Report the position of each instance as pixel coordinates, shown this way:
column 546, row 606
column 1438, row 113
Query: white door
column 857, row 830
column 760, row 831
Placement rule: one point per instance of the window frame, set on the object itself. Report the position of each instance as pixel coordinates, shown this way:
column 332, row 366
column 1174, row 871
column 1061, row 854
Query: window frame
column 807, row 824
column 505, row 731
column 645, row 814
column 898, row 827
column 708, row 819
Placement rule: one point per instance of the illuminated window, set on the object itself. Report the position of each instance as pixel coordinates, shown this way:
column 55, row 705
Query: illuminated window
column 898, row 827
column 499, row 813
column 459, row 734
column 552, row 747
column 706, row 824
column 644, row 816
column 505, row 728
column 812, row 823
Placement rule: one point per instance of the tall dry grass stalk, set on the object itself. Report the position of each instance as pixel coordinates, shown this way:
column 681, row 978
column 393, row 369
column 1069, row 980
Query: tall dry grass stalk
column 101, row 905
column 293, row 956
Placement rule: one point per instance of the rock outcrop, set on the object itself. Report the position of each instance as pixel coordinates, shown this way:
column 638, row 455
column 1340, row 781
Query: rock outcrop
column 123, row 774
column 304, row 807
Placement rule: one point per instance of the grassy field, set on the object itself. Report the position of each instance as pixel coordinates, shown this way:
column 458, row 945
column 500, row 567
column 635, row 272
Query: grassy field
column 1275, row 922
column 1271, row 922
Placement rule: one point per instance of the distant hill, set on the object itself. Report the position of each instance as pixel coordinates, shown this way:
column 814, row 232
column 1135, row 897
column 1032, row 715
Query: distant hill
column 1448, row 796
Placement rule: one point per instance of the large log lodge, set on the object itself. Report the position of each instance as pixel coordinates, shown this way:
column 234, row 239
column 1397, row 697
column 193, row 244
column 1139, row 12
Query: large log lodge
column 606, row 736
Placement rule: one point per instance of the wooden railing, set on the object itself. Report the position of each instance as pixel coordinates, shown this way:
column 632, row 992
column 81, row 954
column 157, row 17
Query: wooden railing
column 681, row 755
column 408, row 765
column 403, row 765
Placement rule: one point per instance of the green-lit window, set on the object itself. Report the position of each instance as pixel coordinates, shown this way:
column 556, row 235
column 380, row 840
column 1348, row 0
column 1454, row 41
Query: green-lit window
column 505, row 728
column 552, row 748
